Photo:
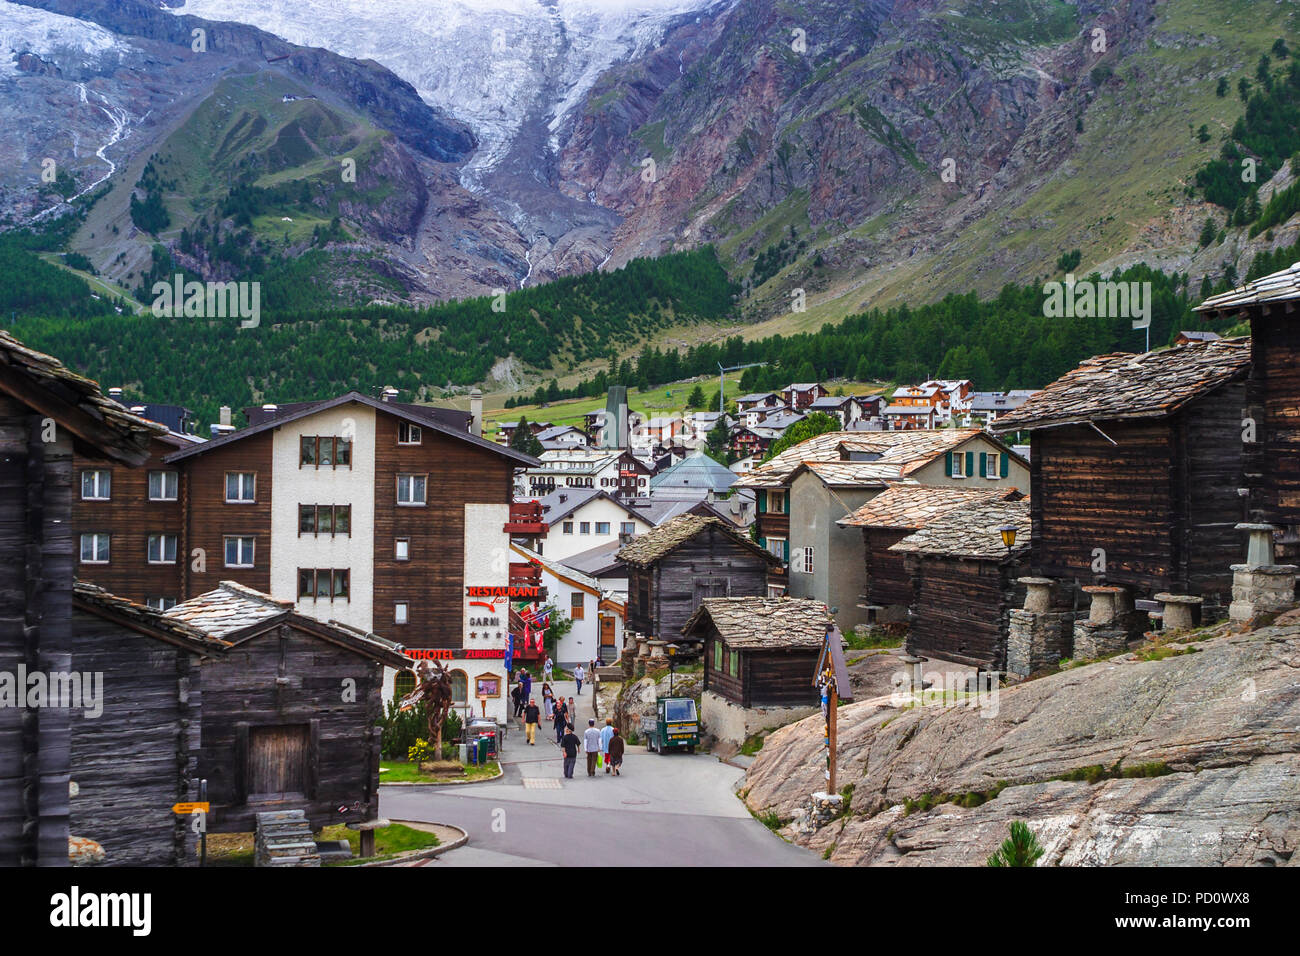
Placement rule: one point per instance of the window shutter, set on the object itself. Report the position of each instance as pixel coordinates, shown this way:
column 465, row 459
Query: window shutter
column 785, row 550
column 762, row 543
column 947, row 463
column 984, row 467
column 970, row 463
column 1006, row 464
column 762, row 502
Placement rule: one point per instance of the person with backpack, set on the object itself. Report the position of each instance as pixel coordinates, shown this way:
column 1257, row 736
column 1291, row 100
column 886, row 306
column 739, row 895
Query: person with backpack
column 606, row 734
column 560, row 715
column 615, row 758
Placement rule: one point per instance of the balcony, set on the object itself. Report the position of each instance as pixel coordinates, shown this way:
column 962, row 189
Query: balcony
column 525, row 574
column 526, row 520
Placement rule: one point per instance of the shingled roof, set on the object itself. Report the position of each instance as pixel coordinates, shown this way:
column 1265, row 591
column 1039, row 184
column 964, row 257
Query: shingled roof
column 1131, row 385
column 75, row 403
column 1273, row 289
column 912, row 506
column 905, row 451
column 646, row 549
column 762, row 622
column 143, row 618
column 972, row 532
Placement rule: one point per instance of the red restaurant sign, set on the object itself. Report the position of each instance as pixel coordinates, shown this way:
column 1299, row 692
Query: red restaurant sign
column 517, row 592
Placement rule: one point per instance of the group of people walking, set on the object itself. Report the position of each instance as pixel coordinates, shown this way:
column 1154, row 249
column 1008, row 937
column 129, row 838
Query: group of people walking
column 603, row 746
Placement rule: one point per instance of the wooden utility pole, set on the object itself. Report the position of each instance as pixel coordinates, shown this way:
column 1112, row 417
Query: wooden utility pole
column 832, row 700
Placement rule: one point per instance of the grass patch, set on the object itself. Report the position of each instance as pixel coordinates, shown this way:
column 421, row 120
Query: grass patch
column 769, row 820
column 867, row 640
column 754, row 744
column 969, row 799
column 403, row 771
column 1095, row 773
column 389, row 841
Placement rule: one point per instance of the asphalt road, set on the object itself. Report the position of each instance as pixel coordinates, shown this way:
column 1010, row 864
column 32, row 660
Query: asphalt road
column 663, row 810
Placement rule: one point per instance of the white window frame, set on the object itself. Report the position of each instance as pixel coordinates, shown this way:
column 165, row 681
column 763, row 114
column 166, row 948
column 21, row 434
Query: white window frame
column 95, row 541
column 102, row 482
column 252, row 555
column 160, row 603
column 992, row 464
column 402, row 612
column 414, row 434
column 584, row 527
column 411, row 501
column 958, row 467
column 241, row 476
column 401, row 549
column 162, row 479
column 567, row 527
column 627, row 527
column 777, row 552
column 162, row 540
column 605, row 525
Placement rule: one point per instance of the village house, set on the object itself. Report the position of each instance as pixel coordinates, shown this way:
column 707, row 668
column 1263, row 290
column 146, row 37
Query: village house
column 757, row 400
column 660, row 431
column 965, row 582
column 596, row 633
column 804, row 491
column 845, row 409
column 141, row 756
column 702, row 423
column 986, row 407
column 760, row 662
column 48, row 415
column 1136, row 463
column 680, row 563
column 800, row 395
column 695, row 476
column 291, row 710
column 563, row 437
column 620, row 473
column 1191, row 338
column 580, row 519
column 901, row 510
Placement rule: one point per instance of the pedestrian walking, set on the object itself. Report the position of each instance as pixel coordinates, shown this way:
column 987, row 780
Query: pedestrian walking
column 532, row 714
column 561, row 717
column 615, row 752
column 578, row 675
column 591, row 744
column 517, row 699
column 528, row 685
column 547, row 667
column 548, row 700
column 571, row 712
column 569, row 744
column 606, row 734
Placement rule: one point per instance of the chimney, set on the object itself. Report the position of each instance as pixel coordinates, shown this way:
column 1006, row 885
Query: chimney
column 218, row 430
column 476, row 412
column 115, row 393
column 270, row 408
column 223, row 416
column 388, row 394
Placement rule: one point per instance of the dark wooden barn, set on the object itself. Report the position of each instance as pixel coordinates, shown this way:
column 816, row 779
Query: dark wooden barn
column 1266, row 422
column 1135, row 465
column 890, row 517
column 964, row 583
column 47, row 414
column 291, row 711
column 760, row 651
column 140, row 755
column 675, row 566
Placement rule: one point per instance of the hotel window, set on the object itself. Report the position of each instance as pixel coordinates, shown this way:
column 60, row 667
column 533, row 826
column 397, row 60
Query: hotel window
column 402, row 549
column 162, row 549
column 239, row 551
column 408, row 434
column 94, row 548
column 568, row 527
column 323, row 584
column 160, row 603
column 325, row 519
column 584, row 527
column 96, row 485
column 403, row 683
column 401, row 612
column 411, row 489
column 324, row 452
column 163, row 485
column 459, row 685
column 778, row 547
column 627, row 527
column 577, row 606
column 241, row 487
column 602, row 527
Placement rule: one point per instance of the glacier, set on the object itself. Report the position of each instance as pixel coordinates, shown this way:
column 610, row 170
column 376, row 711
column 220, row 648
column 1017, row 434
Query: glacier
column 29, row 30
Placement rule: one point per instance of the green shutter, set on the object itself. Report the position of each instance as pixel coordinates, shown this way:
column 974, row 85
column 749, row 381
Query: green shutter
column 984, row 466
column 970, row 463
column 1006, row 464
column 785, row 550
column 762, row 502
column 762, row 543
column 947, row 463
column 785, row 503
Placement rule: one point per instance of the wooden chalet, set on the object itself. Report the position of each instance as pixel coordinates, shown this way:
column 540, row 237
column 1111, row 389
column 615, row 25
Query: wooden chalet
column 760, row 651
column 290, row 710
column 48, row 414
column 1266, row 421
column 964, row 582
column 1135, row 465
column 891, row 516
column 140, row 756
column 675, row 566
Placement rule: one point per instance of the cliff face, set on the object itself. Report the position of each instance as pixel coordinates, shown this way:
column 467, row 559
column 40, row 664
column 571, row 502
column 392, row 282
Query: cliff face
column 1196, row 762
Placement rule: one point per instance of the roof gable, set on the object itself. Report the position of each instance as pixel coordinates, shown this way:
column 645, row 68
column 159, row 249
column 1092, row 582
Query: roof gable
column 654, row 545
column 760, row 622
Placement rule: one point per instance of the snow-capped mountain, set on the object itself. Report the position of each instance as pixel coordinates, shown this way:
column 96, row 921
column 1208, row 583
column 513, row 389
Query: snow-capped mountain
column 27, row 30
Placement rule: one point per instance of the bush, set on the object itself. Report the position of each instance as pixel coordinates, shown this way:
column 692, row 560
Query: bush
column 402, row 729
column 1020, row 849
column 420, row 750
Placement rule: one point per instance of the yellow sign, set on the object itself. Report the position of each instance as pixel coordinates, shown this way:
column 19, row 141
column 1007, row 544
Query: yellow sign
column 190, row 808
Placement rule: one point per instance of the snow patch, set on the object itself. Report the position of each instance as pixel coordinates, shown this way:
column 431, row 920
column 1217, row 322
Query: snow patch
column 29, row 30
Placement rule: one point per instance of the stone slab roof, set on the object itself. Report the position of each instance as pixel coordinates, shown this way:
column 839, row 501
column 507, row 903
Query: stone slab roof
column 912, row 506
column 94, row 598
column 761, row 622
column 908, row 450
column 646, row 549
column 1131, row 385
column 972, row 532
column 1278, row 287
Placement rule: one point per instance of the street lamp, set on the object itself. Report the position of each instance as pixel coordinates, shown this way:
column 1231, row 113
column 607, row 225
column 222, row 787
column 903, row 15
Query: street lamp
column 1008, row 532
column 671, row 650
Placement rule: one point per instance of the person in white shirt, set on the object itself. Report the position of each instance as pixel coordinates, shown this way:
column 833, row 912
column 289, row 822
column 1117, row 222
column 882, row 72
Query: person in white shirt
column 579, row 674
column 546, row 669
column 591, row 745
column 606, row 734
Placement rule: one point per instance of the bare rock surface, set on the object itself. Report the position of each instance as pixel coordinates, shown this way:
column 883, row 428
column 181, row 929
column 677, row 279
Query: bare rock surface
column 1211, row 740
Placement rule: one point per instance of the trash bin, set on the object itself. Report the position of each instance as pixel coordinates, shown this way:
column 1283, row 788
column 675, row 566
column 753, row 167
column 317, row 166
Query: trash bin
column 464, row 753
column 482, row 750
column 473, row 753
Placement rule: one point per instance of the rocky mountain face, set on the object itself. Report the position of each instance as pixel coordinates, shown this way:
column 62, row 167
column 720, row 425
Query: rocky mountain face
column 1192, row 760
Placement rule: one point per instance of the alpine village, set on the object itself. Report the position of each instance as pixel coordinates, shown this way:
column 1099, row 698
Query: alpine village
column 995, row 565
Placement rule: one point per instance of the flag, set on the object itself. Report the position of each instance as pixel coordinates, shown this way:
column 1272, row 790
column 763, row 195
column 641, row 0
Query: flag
column 510, row 651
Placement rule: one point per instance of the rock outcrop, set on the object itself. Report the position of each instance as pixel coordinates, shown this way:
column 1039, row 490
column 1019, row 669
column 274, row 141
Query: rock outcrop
column 1190, row 760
